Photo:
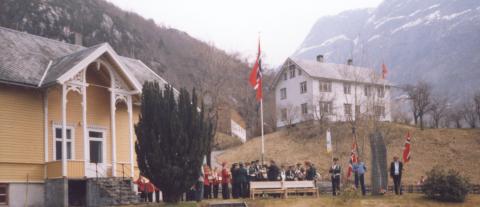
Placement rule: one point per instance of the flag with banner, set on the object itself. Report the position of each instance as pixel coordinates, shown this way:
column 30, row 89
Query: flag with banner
column 256, row 75
column 406, row 149
column 384, row 71
column 353, row 159
column 329, row 141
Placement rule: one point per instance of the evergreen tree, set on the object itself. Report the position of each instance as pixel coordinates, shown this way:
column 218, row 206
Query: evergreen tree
column 173, row 136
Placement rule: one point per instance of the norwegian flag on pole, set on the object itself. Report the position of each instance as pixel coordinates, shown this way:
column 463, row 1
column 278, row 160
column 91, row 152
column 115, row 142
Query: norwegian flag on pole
column 256, row 75
column 406, row 149
column 353, row 159
column 384, row 71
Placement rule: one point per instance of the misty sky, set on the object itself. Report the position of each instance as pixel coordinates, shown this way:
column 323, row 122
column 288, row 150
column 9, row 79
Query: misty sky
column 234, row 25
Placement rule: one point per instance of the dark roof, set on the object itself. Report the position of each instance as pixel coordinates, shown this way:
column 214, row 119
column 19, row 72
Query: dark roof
column 24, row 59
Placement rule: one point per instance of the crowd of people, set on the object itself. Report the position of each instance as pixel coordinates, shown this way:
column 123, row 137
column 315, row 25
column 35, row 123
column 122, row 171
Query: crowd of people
column 234, row 181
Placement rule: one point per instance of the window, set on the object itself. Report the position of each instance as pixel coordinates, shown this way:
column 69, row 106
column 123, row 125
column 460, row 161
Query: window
column 58, row 143
column 326, row 107
column 283, row 114
column 381, row 91
column 304, row 108
column 357, row 110
column 284, row 76
column 325, row 86
column 380, row 111
column 283, row 93
column 299, row 72
column 367, row 91
column 347, row 109
column 3, row 194
column 347, row 88
column 292, row 73
column 96, row 144
column 303, row 87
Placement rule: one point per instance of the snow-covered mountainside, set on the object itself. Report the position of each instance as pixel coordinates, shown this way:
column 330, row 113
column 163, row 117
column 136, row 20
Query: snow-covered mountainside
column 433, row 40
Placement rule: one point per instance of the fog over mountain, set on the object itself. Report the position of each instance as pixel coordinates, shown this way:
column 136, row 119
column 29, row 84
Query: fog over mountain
column 433, row 40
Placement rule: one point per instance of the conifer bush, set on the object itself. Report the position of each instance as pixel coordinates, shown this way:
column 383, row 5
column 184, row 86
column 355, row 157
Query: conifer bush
column 173, row 137
column 446, row 186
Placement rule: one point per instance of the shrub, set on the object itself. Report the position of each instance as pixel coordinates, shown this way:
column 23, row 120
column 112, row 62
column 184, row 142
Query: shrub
column 445, row 186
column 348, row 193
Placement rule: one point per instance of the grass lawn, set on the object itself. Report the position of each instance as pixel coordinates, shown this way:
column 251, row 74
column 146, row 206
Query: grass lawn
column 326, row 201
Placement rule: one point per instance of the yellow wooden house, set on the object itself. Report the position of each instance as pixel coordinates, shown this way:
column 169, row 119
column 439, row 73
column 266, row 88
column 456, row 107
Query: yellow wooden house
column 67, row 114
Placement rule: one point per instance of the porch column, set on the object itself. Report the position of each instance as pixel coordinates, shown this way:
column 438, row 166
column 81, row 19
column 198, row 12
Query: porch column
column 130, row 135
column 86, row 147
column 113, row 133
column 64, row 130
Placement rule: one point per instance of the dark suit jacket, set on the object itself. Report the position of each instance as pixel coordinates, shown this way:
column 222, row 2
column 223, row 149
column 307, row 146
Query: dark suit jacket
column 392, row 168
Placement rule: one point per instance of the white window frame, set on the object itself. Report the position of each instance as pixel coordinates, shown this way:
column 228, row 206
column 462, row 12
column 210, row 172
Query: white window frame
column 285, row 76
column 322, row 83
column 6, row 193
column 303, row 87
column 367, row 90
column 381, row 91
column 103, row 140
column 347, row 109
column 347, row 88
column 283, row 114
column 283, row 93
column 304, row 108
column 72, row 141
column 329, row 107
column 292, row 72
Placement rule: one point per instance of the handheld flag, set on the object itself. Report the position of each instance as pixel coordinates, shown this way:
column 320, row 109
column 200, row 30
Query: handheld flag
column 406, row 149
column 353, row 159
column 329, row 141
column 256, row 75
column 384, row 71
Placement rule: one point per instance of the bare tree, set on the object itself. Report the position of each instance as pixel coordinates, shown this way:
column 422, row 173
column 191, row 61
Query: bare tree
column 419, row 94
column 477, row 104
column 469, row 114
column 438, row 110
column 289, row 114
column 454, row 117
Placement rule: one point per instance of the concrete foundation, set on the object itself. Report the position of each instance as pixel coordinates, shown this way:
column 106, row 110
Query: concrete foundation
column 56, row 192
column 22, row 194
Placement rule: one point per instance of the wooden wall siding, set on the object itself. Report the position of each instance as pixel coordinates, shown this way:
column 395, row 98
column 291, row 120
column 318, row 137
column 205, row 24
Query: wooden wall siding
column 17, row 172
column 54, row 115
column 74, row 118
column 122, row 135
column 54, row 169
column 21, row 125
column 123, row 169
column 75, row 169
column 98, row 108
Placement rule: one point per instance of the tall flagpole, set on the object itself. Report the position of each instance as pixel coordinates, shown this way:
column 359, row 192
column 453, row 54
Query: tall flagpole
column 263, row 138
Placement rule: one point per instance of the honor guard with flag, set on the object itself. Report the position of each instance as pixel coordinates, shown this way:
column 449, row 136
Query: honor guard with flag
column 256, row 82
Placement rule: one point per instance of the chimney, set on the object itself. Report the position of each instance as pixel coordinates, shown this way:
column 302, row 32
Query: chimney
column 320, row 58
column 78, row 38
column 349, row 62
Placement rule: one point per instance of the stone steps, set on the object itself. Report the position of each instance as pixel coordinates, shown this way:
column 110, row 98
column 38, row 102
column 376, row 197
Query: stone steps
column 115, row 191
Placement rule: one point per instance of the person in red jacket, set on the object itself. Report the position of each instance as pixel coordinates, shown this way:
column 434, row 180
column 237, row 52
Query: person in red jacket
column 150, row 188
column 141, row 188
column 215, row 181
column 225, row 176
column 207, row 179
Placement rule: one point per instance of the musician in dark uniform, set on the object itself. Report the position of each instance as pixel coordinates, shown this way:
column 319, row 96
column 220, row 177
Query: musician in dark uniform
column 335, row 172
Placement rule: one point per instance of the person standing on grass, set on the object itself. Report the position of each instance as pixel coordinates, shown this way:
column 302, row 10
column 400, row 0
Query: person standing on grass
column 225, row 181
column 199, row 186
column 215, row 181
column 273, row 171
column 360, row 169
column 396, row 168
column 335, row 172
column 207, row 181
column 311, row 172
column 242, row 180
column 235, row 181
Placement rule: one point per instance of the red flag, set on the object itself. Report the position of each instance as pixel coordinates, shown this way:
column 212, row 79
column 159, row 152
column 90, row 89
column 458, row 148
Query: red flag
column 256, row 75
column 384, row 71
column 353, row 159
column 406, row 149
